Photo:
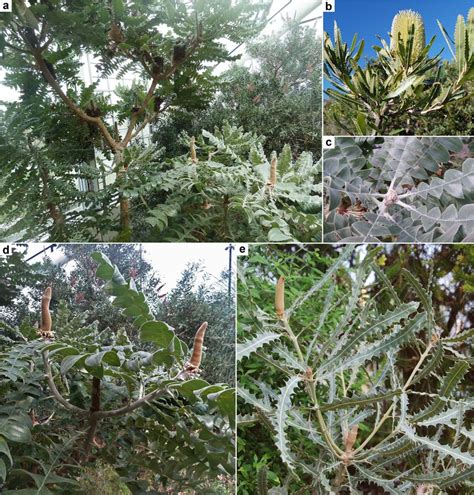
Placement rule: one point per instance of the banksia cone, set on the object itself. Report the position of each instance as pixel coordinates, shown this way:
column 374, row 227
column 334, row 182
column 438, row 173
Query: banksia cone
column 192, row 146
column 460, row 41
column 195, row 360
column 273, row 171
column 350, row 438
column 402, row 26
column 280, row 298
column 46, row 323
column 470, row 30
column 45, row 314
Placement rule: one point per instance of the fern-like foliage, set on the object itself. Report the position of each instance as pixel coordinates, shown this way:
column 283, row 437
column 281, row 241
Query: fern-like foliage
column 401, row 189
column 342, row 393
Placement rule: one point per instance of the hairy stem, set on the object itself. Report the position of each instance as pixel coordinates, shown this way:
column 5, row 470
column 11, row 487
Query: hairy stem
column 311, row 389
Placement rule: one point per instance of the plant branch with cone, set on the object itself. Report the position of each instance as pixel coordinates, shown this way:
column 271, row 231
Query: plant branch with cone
column 100, row 363
column 345, row 394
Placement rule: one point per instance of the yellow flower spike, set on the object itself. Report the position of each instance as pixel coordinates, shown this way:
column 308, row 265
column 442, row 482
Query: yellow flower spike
column 402, row 25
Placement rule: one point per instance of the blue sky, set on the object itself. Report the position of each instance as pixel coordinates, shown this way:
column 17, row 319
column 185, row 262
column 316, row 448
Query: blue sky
column 369, row 18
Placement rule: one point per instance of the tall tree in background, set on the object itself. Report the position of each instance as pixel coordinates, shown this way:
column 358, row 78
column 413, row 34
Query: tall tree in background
column 278, row 96
column 47, row 137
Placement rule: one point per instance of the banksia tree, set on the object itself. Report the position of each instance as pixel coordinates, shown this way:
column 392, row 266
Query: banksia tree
column 408, row 27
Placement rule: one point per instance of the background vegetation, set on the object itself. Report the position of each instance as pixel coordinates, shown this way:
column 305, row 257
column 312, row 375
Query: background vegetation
column 276, row 94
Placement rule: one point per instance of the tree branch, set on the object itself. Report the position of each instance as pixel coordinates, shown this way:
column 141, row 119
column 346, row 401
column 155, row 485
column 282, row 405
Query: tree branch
column 133, row 120
column 55, row 391
column 94, row 420
column 37, row 54
column 78, row 111
column 13, row 47
column 131, row 407
column 160, row 77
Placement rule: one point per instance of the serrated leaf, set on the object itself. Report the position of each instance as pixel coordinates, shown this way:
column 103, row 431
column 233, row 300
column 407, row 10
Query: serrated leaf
column 455, row 375
column 285, row 356
column 431, row 365
column 394, row 340
column 445, row 417
column 279, row 420
column 458, row 478
column 358, row 401
column 246, row 348
column 382, row 322
column 253, row 400
column 462, row 337
column 424, row 297
column 455, row 453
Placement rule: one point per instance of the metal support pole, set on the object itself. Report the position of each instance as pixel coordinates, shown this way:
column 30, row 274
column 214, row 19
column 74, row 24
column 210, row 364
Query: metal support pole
column 230, row 248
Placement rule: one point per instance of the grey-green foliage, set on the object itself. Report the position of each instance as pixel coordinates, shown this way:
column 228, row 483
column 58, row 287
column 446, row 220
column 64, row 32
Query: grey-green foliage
column 402, row 189
column 226, row 193
column 354, row 382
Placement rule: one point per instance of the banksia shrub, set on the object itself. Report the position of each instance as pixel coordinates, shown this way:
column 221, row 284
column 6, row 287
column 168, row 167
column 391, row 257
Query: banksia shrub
column 404, row 23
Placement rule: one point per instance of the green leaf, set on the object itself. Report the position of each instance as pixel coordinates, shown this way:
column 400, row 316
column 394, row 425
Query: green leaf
column 109, row 357
column 454, row 480
column 393, row 341
column 455, row 375
column 277, row 235
column 404, row 86
column 359, row 401
column 424, row 297
column 187, row 389
column 253, row 400
column 226, row 403
column 163, row 357
column 284, row 160
column 382, row 322
column 462, row 337
column 431, row 365
column 106, row 269
column 16, row 429
column 158, row 332
column 5, row 450
column 70, row 361
column 446, row 417
column 3, row 471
